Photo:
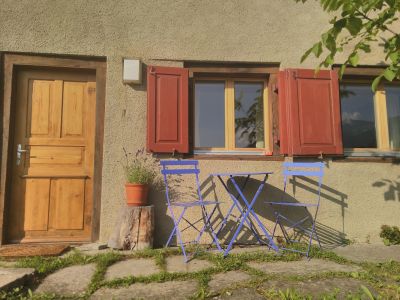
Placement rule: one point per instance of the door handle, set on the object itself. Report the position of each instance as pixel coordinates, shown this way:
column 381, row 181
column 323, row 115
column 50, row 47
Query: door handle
column 19, row 153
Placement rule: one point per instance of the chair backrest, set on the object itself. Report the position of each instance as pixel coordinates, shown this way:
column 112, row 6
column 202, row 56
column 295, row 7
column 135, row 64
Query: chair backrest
column 180, row 167
column 305, row 170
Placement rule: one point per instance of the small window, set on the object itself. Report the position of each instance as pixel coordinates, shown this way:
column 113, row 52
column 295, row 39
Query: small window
column 230, row 115
column 370, row 120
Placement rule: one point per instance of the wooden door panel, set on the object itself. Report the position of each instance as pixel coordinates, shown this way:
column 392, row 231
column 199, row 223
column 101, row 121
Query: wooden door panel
column 55, row 155
column 73, row 109
column 51, row 189
column 42, row 94
column 67, row 203
column 37, row 196
column 44, row 108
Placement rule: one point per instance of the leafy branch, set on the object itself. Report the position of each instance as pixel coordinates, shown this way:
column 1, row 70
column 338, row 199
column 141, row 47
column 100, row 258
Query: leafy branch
column 358, row 25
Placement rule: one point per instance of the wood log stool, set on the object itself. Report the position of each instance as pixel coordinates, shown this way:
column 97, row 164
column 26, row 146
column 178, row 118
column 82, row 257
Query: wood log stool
column 134, row 228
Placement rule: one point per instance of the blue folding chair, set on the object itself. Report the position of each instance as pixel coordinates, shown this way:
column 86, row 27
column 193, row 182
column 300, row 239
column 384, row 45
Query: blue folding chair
column 179, row 168
column 315, row 170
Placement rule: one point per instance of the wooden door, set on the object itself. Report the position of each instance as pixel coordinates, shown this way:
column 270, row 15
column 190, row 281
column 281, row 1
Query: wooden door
column 52, row 157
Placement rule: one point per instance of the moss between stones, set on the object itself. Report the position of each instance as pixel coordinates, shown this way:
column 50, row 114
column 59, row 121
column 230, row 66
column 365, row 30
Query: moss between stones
column 383, row 277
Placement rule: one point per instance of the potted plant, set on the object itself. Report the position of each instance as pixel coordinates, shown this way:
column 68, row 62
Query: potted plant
column 140, row 172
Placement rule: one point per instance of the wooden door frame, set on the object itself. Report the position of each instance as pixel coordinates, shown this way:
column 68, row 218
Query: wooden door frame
column 9, row 62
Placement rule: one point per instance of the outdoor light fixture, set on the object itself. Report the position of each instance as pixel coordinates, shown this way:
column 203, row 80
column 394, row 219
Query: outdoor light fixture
column 132, row 72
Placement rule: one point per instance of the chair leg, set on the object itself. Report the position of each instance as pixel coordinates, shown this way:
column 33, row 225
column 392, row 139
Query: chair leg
column 178, row 232
column 311, row 238
column 173, row 232
column 273, row 231
column 319, row 243
column 207, row 224
column 223, row 223
column 284, row 231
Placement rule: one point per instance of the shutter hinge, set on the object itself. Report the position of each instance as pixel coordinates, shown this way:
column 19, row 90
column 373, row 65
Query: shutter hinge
column 321, row 155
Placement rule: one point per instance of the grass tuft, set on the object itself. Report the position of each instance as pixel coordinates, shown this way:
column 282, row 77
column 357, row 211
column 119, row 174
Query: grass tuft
column 47, row 265
column 103, row 262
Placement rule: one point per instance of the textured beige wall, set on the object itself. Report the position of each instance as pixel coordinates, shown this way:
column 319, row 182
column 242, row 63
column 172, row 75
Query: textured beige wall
column 169, row 32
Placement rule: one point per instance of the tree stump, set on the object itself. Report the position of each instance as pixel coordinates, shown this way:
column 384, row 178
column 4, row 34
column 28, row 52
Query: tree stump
column 134, row 229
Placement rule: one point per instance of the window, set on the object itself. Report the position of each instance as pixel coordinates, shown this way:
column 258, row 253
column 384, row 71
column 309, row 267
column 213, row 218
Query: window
column 370, row 120
column 231, row 115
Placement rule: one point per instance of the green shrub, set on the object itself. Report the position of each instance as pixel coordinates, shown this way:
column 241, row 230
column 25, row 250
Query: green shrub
column 390, row 235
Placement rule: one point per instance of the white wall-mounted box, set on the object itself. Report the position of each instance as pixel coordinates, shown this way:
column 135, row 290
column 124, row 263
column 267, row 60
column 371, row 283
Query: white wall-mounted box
column 132, row 71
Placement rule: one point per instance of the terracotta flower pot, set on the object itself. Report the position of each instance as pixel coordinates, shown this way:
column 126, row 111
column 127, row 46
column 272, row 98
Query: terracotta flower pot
column 136, row 194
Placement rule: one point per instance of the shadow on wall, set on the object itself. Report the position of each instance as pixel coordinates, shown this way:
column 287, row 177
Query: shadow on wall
column 327, row 194
column 163, row 224
column 392, row 188
column 329, row 237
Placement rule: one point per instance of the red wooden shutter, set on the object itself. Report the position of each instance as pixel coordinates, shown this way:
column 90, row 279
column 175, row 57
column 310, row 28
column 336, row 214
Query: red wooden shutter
column 310, row 118
column 167, row 109
column 283, row 128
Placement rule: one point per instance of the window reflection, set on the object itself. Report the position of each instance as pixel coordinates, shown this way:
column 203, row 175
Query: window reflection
column 249, row 118
column 358, row 117
column 393, row 113
column 209, row 114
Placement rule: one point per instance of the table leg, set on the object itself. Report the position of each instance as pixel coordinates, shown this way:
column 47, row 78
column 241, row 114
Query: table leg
column 250, row 208
column 245, row 216
column 239, row 207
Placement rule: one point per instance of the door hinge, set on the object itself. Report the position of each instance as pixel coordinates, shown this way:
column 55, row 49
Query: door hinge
column 92, row 90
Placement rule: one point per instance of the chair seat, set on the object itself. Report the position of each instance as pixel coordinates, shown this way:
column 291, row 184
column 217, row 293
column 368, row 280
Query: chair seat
column 292, row 204
column 194, row 203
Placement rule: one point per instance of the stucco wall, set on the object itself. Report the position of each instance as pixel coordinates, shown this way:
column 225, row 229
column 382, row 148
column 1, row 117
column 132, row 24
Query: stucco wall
column 170, row 32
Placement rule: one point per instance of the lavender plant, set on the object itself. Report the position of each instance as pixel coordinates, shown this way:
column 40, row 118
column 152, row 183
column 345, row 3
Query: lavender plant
column 140, row 168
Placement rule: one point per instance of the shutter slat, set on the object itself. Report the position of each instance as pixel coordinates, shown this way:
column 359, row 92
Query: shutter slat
column 310, row 112
column 167, row 105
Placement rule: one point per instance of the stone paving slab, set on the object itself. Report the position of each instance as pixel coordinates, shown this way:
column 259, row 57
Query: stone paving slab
column 240, row 294
column 176, row 264
column 317, row 288
column 12, row 277
column 302, row 267
column 132, row 267
column 165, row 290
column 225, row 280
column 68, row 281
column 369, row 252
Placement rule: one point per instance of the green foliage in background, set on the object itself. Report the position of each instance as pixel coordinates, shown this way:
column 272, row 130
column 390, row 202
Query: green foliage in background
column 357, row 25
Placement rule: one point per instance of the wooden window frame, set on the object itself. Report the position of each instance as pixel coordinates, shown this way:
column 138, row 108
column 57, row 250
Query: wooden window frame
column 381, row 120
column 230, row 116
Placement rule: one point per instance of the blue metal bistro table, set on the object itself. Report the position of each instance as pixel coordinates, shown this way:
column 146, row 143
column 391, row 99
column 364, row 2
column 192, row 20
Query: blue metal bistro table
column 247, row 212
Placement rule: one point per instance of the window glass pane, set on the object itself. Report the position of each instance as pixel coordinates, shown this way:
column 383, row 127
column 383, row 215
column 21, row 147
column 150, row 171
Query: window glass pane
column 209, row 114
column 249, row 117
column 358, row 117
column 393, row 112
